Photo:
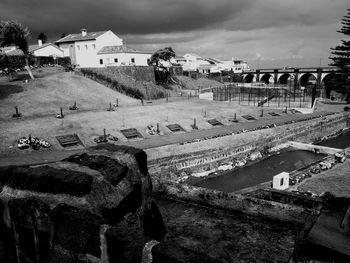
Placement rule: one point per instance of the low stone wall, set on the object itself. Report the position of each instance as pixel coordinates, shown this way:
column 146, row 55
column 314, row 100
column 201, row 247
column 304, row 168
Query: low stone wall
column 138, row 73
column 237, row 203
column 91, row 207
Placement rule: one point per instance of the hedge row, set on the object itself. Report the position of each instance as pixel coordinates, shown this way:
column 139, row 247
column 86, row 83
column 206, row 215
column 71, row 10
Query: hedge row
column 125, row 84
column 18, row 62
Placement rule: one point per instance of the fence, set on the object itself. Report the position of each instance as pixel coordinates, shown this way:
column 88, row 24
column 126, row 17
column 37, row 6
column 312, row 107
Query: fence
column 264, row 95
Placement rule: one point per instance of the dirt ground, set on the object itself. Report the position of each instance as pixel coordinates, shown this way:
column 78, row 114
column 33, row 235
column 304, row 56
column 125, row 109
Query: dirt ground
column 227, row 237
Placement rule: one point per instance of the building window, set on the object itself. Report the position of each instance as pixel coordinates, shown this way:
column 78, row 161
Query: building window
column 148, row 60
column 132, row 60
column 116, row 60
column 78, row 47
column 282, row 181
column 93, row 46
column 86, row 47
column 101, row 61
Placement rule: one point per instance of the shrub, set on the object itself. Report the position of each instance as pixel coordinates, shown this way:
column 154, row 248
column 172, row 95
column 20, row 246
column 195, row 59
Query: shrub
column 18, row 62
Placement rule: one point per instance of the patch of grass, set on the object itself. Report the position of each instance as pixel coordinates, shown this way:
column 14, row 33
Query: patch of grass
column 125, row 84
column 7, row 90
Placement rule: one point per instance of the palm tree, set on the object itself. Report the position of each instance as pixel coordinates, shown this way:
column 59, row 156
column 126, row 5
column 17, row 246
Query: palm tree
column 14, row 33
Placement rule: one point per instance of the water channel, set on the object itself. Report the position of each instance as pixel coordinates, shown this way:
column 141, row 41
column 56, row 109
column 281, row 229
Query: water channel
column 261, row 171
column 340, row 141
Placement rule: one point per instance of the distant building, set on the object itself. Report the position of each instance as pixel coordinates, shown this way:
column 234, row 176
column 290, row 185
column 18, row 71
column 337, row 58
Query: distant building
column 190, row 62
column 45, row 50
column 236, row 66
column 100, row 49
column 193, row 62
column 38, row 50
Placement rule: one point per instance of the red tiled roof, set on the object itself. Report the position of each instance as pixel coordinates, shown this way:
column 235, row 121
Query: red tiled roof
column 119, row 49
column 79, row 37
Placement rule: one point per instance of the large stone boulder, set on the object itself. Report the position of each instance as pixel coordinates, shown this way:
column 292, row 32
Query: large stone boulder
column 93, row 206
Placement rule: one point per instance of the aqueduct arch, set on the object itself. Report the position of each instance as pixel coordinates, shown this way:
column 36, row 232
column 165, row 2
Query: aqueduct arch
column 306, row 77
column 267, row 78
column 283, row 79
column 249, row 78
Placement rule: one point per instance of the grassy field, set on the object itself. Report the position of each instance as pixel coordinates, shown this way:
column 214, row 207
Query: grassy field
column 195, row 84
column 40, row 100
column 46, row 94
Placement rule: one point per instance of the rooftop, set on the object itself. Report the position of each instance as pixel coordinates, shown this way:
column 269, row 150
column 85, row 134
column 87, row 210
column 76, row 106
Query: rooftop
column 119, row 49
column 80, row 37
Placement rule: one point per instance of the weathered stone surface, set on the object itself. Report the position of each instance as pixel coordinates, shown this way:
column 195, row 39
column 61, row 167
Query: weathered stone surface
column 125, row 241
column 111, row 169
column 171, row 253
column 46, row 179
column 59, row 212
column 77, row 230
column 153, row 223
column 140, row 155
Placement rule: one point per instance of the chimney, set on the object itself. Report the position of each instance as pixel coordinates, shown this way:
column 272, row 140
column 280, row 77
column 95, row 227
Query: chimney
column 40, row 42
column 83, row 32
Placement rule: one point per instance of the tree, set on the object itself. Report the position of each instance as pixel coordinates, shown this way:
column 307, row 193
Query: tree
column 14, row 33
column 158, row 60
column 42, row 37
column 341, row 59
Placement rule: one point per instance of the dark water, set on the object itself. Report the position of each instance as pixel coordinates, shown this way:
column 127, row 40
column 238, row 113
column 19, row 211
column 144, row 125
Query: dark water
column 341, row 141
column 260, row 172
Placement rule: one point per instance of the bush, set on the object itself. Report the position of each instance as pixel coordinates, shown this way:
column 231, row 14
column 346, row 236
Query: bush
column 125, row 84
column 12, row 63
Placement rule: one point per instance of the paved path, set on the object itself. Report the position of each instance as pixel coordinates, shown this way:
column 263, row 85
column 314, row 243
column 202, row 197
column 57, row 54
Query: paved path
column 158, row 141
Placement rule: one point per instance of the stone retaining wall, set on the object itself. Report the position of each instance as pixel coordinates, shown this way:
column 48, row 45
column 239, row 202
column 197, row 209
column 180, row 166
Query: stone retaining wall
column 238, row 203
column 138, row 73
column 174, row 168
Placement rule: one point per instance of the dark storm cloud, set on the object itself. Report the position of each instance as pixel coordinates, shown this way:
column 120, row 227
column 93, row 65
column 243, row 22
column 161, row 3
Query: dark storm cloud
column 278, row 13
column 122, row 16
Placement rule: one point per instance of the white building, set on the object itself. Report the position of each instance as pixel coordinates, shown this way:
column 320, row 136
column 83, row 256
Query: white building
column 39, row 50
column 100, row 49
column 45, row 50
column 122, row 56
column 236, row 66
column 191, row 62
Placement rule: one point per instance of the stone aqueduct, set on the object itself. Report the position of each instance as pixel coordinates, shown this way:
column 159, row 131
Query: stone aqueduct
column 300, row 76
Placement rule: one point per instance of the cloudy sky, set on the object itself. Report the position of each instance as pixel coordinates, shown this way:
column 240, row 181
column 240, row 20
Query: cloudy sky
column 266, row 33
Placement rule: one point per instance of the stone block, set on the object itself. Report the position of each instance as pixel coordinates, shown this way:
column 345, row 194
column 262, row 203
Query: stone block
column 46, row 179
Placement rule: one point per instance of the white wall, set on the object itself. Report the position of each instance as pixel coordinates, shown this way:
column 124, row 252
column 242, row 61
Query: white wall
column 84, row 53
column 48, row 51
column 65, row 48
column 124, row 59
